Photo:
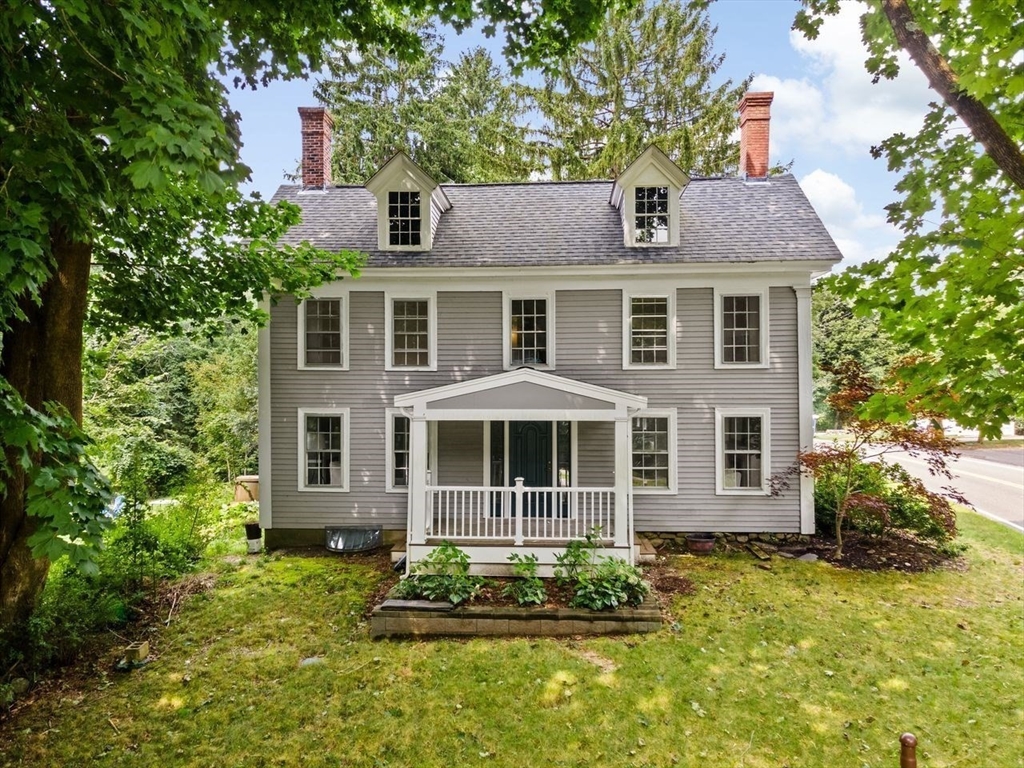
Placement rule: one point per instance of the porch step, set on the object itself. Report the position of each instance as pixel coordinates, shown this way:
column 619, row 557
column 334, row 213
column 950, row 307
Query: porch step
column 643, row 550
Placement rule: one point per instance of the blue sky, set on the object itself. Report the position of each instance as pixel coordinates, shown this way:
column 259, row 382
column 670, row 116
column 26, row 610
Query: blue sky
column 825, row 117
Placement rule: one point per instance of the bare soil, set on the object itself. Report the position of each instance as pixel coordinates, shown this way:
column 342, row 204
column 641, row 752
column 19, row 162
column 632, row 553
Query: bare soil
column 892, row 552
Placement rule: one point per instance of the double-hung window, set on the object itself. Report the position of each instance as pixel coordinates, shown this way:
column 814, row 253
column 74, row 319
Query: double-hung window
column 649, row 338
column 741, row 446
column 412, row 330
column 654, row 451
column 404, row 220
column 650, row 215
column 529, row 332
column 322, row 333
column 323, row 449
column 741, row 325
column 398, row 451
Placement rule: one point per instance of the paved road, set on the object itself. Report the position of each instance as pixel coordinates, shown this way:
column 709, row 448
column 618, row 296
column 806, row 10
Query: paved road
column 992, row 479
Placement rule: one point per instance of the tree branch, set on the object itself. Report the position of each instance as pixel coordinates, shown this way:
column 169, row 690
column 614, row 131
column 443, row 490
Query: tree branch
column 984, row 127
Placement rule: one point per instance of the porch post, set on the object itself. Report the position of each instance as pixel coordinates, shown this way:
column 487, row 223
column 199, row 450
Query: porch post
column 418, row 479
column 622, row 481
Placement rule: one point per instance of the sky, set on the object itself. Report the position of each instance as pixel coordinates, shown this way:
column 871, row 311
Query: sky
column 826, row 114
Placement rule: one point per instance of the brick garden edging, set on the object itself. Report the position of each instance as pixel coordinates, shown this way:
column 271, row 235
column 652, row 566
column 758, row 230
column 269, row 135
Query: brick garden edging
column 396, row 618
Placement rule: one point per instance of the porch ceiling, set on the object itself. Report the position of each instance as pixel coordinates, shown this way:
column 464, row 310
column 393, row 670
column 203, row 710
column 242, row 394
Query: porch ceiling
column 521, row 395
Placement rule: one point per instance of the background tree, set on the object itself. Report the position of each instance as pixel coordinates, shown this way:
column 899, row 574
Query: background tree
column 647, row 78
column 953, row 288
column 120, row 152
column 461, row 121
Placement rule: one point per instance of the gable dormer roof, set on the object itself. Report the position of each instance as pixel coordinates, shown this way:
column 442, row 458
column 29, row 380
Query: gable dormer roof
column 400, row 174
column 650, row 158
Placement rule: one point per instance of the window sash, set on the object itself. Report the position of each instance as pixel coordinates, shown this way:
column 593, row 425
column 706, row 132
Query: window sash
column 400, row 453
column 404, row 218
column 323, row 332
column 650, row 215
column 528, row 334
column 410, row 333
column 741, row 329
column 651, row 452
column 742, row 451
column 324, row 451
column 648, row 328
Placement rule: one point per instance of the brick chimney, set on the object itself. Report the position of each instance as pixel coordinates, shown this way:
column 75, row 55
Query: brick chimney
column 755, row 112
column 317, row 125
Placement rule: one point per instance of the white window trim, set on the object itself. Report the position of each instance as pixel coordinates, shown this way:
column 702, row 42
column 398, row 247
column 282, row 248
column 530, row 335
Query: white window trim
column 766, row 457
column 673, row 215
column 389, row 336
column 506, row 327
column 389, row 459
column 627, row 331
column 765, row 327
column 384, row 223
column 673, row 457
column 345, row 452
column 301, row 324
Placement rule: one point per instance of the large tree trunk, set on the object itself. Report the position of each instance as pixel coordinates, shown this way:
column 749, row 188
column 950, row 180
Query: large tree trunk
column 42, row 359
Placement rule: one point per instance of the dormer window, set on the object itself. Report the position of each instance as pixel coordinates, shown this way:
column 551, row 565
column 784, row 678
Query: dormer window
column 404, row 220
column 409, row 205
column 651, row 215
column 647, row 195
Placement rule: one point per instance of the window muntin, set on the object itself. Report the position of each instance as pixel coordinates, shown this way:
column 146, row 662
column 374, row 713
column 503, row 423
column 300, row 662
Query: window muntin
column 742, row 452
column 410, row 327
column 741, row 329
column 528, row 334
column 323, row 332
column 404, row 220
column 400, row 437
column 650, row 215
column 648, row 330
column 324, row 451
column 651, row 454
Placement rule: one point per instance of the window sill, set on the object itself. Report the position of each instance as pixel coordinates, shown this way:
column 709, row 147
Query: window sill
column 411, row 368
column 742, row 492
column 639, row 491
column 649, row 367
column 322, row 367
column 403, row 491
column 322, row 489
column 742, row 366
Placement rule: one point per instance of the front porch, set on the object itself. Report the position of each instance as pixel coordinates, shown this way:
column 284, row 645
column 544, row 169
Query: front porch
column 531, row 499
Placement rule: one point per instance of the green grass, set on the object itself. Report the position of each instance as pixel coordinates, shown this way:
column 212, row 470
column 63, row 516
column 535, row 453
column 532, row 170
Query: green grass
column 805, row 665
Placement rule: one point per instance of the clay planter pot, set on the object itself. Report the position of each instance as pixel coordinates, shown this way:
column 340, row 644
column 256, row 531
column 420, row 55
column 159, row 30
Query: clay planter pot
column 700, row 543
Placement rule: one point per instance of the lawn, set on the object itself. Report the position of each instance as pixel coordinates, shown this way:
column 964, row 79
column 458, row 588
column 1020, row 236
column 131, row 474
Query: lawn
column 802, row 665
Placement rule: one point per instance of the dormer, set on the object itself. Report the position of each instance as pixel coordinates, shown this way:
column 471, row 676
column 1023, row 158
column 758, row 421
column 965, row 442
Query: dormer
column 647, row 197
column 409, row 205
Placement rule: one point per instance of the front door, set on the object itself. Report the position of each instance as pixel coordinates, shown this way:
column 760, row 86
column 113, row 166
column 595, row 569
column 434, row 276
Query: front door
column 529, row 448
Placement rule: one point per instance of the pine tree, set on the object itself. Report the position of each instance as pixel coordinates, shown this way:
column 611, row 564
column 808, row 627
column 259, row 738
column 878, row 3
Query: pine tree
column 646, row 79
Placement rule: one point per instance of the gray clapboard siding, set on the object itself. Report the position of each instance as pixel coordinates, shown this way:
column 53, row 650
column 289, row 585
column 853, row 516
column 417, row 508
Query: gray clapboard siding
column 589, row 348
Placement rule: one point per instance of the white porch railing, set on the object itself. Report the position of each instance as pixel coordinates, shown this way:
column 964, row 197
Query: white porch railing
column 518, row 513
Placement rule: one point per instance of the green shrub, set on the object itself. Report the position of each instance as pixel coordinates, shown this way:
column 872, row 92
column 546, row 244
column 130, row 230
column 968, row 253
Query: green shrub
column 609, row 584
column 579, row 556
column 528, row 588
column 865, row 478
column 441, row 575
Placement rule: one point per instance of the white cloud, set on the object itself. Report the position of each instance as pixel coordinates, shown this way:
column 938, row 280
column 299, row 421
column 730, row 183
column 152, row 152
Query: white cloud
column 839, row 106
column 860, row 236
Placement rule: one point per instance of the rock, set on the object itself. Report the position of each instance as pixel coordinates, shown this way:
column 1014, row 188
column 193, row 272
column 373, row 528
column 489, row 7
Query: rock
column 787, row 555
column 764, row 566
column 810, row 557
column 311, row 661
column 757, row 552
column 742, row 539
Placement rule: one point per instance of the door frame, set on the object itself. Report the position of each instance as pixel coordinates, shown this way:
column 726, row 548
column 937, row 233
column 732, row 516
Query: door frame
column 508, row 481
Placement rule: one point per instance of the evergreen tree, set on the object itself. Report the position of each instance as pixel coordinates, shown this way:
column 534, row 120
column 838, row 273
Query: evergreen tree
column 646, row 79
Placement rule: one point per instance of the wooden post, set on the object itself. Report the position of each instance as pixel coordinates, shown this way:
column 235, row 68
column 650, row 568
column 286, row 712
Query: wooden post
column 908, row 751
column 520, row 511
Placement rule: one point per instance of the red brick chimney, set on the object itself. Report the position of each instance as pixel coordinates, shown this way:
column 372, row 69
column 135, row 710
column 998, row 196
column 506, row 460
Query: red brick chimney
column 755, row 112
column 317, row 125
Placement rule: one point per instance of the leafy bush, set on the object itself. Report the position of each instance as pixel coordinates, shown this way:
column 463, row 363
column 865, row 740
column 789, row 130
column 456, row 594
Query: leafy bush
column 610, row 583
column 528, row 588
column 579, row 556
column 441, row 575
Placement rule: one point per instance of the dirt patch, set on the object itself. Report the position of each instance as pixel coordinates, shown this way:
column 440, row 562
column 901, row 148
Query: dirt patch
column 606, row 665
column 667, row 581
column 892, row 552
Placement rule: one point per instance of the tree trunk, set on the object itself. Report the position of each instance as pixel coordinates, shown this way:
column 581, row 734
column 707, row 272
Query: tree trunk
column 42, row 359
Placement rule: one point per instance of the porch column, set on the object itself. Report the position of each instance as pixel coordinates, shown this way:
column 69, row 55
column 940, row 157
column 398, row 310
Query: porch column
column 622, row 481
column 806, row 402
column 418, row 479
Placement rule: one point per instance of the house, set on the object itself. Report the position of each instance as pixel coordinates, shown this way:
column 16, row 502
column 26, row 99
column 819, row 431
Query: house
column 519, row 364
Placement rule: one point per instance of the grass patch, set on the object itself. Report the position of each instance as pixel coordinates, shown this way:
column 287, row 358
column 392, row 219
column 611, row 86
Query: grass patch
column 804, row 665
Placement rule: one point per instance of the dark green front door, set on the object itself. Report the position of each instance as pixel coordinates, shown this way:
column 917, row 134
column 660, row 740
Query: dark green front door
column 529, row 448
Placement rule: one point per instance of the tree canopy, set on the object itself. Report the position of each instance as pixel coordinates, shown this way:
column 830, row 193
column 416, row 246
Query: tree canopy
column 120, row 164
column 953, row 288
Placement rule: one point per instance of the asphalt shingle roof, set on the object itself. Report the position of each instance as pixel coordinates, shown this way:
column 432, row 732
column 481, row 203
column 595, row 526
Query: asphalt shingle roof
column 562, row 223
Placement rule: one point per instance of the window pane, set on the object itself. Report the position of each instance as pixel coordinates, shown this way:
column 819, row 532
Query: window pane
column 651, row 215
column 404, row 221
column 528, row 339
column 323, row 451
column 650, row 452
column 323, row 331
column 410, row 340
column 741, row 440
column 400, row 447
column 649, row 330
column 741, row 329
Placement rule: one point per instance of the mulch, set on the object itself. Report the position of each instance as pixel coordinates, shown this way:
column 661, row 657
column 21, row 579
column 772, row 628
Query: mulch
column 892, row 552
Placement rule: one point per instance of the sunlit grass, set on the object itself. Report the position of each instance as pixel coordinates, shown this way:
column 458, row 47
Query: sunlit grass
column 803, row 665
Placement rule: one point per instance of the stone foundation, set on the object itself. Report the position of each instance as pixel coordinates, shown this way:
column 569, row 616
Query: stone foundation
column 508, row 622
column 677, row 539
